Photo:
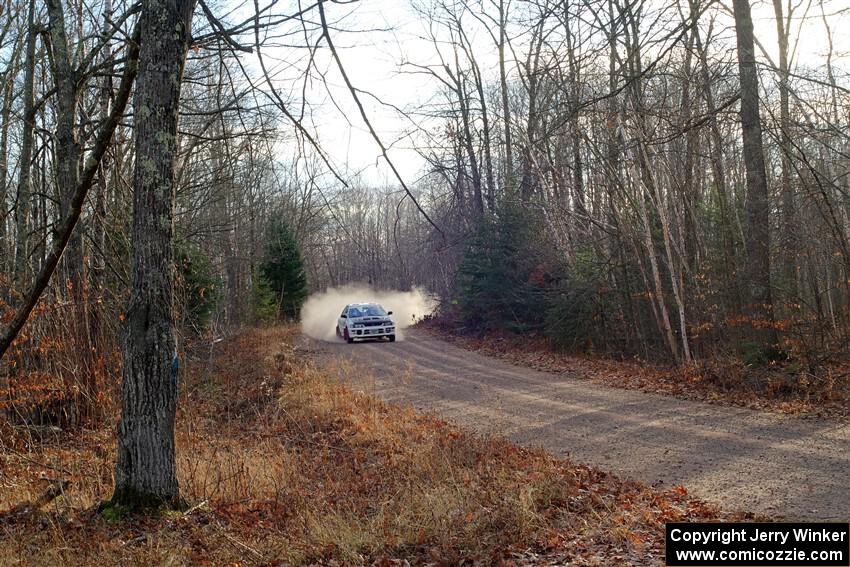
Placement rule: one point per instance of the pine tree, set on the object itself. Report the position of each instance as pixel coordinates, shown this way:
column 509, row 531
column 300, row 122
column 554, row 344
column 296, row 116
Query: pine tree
column 263, row 301
column 197, row 286
column 283, row 269
column 496, row 287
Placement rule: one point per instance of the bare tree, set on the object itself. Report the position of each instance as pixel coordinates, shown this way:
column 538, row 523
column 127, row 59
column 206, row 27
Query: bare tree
column 757, row 206
column 145, row 469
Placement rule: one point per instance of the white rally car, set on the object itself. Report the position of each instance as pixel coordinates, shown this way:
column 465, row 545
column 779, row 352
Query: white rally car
column 365, row 321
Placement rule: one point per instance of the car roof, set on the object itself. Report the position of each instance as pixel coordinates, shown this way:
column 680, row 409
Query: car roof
column 361, row 304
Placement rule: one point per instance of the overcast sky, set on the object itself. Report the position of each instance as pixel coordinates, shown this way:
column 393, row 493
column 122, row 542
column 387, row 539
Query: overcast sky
column 386, row 32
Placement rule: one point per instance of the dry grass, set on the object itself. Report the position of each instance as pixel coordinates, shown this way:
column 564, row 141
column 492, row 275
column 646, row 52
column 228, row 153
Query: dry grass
column 282, row 465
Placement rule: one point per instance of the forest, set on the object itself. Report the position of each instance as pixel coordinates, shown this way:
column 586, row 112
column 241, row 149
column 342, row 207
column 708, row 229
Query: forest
column 629, row 179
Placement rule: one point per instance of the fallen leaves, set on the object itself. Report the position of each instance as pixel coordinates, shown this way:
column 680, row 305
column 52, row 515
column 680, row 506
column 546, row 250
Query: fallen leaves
column 290, row 467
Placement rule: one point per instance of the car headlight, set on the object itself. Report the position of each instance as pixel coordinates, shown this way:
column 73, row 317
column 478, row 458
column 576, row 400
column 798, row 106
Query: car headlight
column 358, row 325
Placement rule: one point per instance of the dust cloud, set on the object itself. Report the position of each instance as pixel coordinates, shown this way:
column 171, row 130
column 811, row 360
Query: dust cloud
column 321, row 310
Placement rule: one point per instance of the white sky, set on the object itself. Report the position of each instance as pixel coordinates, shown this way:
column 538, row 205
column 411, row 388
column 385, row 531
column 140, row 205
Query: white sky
column 372, row 59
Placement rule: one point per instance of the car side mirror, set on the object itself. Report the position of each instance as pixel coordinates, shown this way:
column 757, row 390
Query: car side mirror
column 389, row 312
column 344, row 316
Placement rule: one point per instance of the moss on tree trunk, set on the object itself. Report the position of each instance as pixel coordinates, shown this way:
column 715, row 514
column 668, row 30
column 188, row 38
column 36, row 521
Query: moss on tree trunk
column 146, row 471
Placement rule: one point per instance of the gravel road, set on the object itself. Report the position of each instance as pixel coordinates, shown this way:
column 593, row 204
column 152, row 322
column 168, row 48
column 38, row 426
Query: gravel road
column 742, row 459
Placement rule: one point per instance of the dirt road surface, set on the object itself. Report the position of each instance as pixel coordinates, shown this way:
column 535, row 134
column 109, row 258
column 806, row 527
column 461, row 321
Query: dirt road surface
column 739, row 458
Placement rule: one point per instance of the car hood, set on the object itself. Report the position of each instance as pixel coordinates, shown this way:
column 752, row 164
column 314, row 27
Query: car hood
column 366, row 319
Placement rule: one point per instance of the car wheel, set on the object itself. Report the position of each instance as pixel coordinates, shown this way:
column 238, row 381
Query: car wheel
column 392, row 338
column 337, row 332
column 347, row 337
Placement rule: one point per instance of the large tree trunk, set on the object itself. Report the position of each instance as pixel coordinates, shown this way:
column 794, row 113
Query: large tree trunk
column 68, row 151
column 146, row 472
column 67, row 143
column 757, row 205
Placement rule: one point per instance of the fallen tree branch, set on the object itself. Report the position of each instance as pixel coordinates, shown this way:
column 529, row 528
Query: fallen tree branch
column 23, row 511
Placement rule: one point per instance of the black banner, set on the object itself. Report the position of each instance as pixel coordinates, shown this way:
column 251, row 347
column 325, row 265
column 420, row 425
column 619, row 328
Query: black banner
column 817, row 544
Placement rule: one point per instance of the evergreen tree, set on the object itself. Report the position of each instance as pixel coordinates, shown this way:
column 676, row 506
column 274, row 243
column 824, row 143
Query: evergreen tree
column 197, row 286
column 498, row 287
column 263, row 301
column 283, row 269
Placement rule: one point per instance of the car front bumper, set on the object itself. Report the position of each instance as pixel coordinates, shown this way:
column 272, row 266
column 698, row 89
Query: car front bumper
column 371, row 332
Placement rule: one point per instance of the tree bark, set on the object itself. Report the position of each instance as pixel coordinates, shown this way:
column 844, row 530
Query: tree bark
column 4, row 169
column 757, row 203
column 788, row 233
column 506, row 108
column 67, row 159
column 146, row 471
column 24, row 176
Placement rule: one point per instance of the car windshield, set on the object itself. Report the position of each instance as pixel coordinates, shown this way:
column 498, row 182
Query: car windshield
column 372, row 310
